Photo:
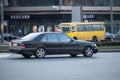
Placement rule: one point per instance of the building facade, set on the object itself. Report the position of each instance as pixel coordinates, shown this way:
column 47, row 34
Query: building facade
column 25, row 15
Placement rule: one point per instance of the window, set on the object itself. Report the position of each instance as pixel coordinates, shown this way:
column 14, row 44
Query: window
column 96, row 27
column 88, row 27
column 64, row 38
column 56, row 2
column 80, row 28
column 52, row 38
column 44, row 39
column 65, row 28
column 73, row 29
column 30, row 36
column 102, row 27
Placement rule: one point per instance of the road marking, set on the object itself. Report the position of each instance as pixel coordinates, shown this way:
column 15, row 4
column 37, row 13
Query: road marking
column 4, row 55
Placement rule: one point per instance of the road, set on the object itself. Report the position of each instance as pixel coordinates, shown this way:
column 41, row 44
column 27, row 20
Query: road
column 102, row 66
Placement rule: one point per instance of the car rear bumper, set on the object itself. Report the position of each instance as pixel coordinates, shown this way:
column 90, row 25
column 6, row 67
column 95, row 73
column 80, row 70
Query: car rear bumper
column 22, row 50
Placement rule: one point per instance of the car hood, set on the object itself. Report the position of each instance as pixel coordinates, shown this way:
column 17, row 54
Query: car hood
column 82, row 41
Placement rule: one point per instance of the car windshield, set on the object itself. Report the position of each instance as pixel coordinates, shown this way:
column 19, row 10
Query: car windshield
column 30, row 36
column 65, row 28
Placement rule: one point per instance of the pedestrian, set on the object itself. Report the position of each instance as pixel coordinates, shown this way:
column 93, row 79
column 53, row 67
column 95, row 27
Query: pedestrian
column 49, row 29
column 56, row 29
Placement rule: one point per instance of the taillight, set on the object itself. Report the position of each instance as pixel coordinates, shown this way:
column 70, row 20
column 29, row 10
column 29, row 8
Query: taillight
column 21, row 45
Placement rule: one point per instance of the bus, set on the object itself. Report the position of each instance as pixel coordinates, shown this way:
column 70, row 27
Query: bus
column 90, row 31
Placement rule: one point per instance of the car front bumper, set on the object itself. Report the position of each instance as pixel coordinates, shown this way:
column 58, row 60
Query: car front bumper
column 95, row 50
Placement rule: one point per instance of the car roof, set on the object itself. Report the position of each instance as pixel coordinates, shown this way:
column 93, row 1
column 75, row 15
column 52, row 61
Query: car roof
column 45, row 32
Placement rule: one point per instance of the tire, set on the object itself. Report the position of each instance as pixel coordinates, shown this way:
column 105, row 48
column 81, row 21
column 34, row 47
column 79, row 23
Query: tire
column 40, row 53
column 26, row 55
column 88, row 51
column 94, row 39
column 73, row 55
column 75, row 38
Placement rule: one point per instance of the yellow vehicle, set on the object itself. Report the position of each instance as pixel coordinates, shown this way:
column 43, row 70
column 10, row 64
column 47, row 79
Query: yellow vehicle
column 91, row 31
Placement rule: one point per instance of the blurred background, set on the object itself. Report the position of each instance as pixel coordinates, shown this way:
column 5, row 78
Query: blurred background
column 20, row 17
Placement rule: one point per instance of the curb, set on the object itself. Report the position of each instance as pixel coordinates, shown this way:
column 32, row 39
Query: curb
column 4, row 51
column 109, row 50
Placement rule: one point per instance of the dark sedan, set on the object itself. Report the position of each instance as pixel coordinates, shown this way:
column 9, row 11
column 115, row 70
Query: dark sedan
column 110, row 36
column 9, row 37
column 46, row 43
column 117, row 35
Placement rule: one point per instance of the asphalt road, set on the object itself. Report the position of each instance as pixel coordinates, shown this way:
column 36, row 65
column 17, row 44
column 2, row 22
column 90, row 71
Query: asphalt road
column 102, row 66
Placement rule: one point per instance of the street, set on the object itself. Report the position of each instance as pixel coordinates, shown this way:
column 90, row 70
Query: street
column 102, row 66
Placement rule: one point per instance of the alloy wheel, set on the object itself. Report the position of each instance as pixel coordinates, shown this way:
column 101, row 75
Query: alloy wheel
column 40, row 53
column 88, row 52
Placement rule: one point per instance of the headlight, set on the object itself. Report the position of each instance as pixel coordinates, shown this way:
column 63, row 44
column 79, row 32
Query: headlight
column 94, row 45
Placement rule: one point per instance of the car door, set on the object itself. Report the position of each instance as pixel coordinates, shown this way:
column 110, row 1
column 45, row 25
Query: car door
column 51, row 43
column 67, row 45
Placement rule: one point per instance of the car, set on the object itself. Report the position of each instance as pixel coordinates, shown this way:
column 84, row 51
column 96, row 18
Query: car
column 40, row 44
column 117, row 35
column 9, row 36
column 109, row 36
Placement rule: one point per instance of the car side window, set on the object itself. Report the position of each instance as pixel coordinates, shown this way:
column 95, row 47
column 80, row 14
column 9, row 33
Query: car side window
column 44, row 38
column 52, row 38
column 64, row 38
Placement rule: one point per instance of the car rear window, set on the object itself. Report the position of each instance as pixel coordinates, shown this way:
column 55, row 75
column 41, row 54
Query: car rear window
column 30, row 36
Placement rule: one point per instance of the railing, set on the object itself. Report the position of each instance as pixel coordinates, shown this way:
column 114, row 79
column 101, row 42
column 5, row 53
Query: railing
column 51, row 8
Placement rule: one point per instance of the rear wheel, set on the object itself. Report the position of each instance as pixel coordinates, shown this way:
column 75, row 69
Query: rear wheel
column 40, row 53
column 88, row 51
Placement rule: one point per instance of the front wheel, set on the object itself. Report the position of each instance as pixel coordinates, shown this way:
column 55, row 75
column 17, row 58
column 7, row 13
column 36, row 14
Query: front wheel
column 94, row 39
column 88, row 51
column 40, row 53
column 75, row 38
